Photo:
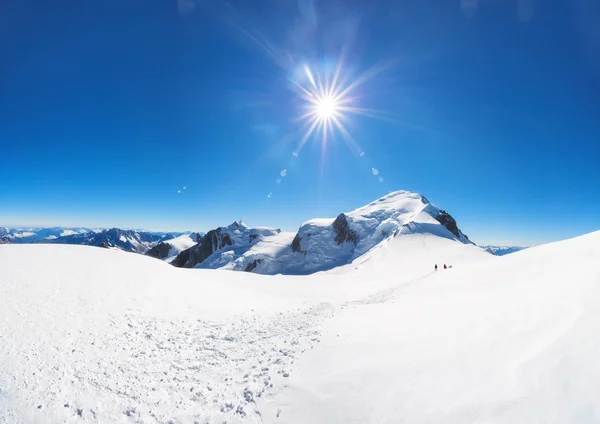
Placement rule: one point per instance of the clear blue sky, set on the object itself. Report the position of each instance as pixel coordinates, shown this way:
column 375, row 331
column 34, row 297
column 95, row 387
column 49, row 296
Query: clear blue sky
column 109, row 108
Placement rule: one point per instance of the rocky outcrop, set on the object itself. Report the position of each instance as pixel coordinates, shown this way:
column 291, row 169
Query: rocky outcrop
column 343, row 233
column 296, row 244
column 338, row 231
column 213, row 240
column 447, row 221
column 160, row 251
column 252, row 265
column 182, row 258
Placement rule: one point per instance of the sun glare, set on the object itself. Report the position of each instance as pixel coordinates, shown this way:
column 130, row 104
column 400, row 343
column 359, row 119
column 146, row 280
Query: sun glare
column 326, row 107
column 328, row 101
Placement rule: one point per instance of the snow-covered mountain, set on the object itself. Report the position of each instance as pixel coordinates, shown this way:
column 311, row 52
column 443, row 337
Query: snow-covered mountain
column 169, row 247
column 225, row 246
column 127, row 240
column 502, row 250
column 138, row 241
column 320, row 244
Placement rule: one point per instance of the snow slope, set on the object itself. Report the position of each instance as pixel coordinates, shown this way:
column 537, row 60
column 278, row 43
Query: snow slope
column 108, row 336
column 509, row 340
column 98, row 335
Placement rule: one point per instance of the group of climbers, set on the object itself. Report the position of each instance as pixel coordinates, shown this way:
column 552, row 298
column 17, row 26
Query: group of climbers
column 445, row 267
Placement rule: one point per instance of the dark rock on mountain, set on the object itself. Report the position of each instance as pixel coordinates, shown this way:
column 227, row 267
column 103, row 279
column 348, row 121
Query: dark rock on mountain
column 447, row 221
column 173, row 246
column 343, row 233
column 210, row 243
column 182, row 258
column 225, row 244
column 296, row 244
column 226, row 240
column 160, row 251
column 252, row 265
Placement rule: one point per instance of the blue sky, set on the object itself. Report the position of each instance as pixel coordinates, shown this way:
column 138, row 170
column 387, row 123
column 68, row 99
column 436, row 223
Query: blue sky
column 109, row 108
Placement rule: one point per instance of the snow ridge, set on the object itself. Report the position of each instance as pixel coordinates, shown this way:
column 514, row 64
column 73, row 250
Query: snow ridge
column 320, row 244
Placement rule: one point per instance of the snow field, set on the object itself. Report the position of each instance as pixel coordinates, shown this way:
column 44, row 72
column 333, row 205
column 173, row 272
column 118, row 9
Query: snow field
column 106, row 336
column 94, row 335
column 510, row 340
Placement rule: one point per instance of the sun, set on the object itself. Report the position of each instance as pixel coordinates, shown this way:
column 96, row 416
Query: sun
column 327, row 102
column 328, row 99
column 326, row 107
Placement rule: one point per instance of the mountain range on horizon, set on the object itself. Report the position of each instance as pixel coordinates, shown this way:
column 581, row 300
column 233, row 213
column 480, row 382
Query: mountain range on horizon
column 503, row 250
column 319, row 244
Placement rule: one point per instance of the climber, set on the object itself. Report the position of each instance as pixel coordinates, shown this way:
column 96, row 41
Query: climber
column 436, row 267
column 445, row 266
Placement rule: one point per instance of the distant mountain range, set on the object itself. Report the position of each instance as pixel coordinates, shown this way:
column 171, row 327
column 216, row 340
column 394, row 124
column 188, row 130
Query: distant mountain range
column 318, row 245
column 128, row 240
column 502, row 250
column 35, row 234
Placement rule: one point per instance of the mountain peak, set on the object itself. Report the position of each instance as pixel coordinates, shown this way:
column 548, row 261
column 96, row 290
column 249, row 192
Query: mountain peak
column 323, row 243
column 239, row 224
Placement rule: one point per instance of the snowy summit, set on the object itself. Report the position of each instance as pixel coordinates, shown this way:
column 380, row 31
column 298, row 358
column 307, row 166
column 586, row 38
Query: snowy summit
column 320, row 244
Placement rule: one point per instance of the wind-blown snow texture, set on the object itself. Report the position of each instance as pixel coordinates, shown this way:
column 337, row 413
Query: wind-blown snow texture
column 320, row 244
column 98, row 335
